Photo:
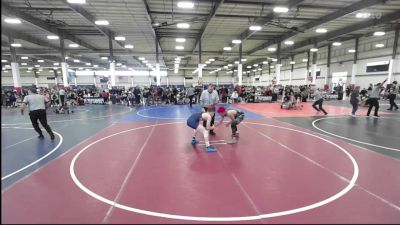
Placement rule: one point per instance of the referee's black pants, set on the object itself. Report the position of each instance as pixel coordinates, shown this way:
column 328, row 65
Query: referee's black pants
column 40, row 115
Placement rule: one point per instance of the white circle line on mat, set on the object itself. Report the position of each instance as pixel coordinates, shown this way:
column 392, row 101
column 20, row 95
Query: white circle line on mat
column 361, row 142
column 215, row 219
column 36, row 161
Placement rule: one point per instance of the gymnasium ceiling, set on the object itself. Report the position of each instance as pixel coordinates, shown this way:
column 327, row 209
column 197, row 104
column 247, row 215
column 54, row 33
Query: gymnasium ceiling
column 147, row 23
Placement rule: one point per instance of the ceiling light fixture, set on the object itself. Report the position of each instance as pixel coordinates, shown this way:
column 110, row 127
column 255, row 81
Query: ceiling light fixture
column 180, row 40
column 255, row 27
column 336, row 44
column 280, row 9
column 12, row 20
column 102, row 22
column 128, row 46
column 185, row 4
column 24, row 57
column 227, row 48
column 271, row 49
column 236, row 41
column 179, row 47
column 351, row 50
column 52, row 37
column 363, row 15
column 119, row 38
column 183, row 25
column 379, row 45
column 379, row 33
column 16, row 45
column 314, row 50
column 289, row 42
column 76, row 1
column 321, row 30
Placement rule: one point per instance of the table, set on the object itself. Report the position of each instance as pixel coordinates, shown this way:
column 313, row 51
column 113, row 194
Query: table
column 93, row 100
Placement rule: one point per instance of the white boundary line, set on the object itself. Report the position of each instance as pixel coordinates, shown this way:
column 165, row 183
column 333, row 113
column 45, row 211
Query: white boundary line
column 38, row 160
column 20, row 142
column 62, row 121
column 59, row 156
column 361, row 142
column 214, row 219
column 124, row 183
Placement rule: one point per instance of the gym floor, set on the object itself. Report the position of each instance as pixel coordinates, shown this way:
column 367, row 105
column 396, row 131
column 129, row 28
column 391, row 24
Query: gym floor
column 115, row 164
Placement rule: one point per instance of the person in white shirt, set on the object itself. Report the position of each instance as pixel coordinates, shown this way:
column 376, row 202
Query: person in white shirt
column 209, row 98
column 37, row 111
column 62, row 96
column 234, row 96
column 318, row 100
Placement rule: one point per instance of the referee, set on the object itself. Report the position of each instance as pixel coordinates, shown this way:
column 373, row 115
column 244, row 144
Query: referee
column 208, row 99
column 37, row 111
